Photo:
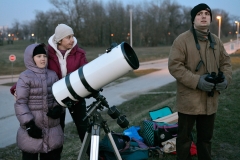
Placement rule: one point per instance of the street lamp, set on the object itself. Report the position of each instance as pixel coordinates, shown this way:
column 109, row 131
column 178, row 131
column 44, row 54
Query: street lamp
column 130, row 11
column 32, row 37
column 219, row 25
column 237, row 30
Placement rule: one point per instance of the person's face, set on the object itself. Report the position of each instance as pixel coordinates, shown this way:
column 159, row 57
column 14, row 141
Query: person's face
column 66, row 43
column 40, row 60
column 202, row 20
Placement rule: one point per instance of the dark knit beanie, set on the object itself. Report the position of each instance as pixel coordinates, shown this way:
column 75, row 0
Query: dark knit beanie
column 39, row 50
column 198, row 8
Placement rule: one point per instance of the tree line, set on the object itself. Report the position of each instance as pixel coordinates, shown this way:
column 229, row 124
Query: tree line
column 98, row 23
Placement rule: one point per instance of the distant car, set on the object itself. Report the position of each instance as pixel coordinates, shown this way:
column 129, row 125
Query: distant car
column 32, row 39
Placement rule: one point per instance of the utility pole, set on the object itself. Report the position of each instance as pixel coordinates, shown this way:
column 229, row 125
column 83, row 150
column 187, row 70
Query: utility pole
column 130, row 27
column 237, row 30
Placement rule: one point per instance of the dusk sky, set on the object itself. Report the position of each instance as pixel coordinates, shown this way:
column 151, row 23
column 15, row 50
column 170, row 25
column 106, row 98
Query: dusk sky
column 24, row 10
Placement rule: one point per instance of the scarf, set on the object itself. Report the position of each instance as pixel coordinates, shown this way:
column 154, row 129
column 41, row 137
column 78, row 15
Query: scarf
column 202, row 36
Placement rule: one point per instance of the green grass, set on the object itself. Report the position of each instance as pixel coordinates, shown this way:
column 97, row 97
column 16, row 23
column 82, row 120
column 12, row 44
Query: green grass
column 225, row 143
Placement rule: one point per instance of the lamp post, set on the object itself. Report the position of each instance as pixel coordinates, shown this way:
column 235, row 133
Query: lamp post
column 112, row 37
column 32, row 37
column 237, row 30
column 130, row 27
column 219, row 25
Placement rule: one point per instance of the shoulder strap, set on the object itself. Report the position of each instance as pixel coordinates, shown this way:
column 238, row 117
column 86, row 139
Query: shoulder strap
column 212, row 40
column 212, row 43
column 195, row 38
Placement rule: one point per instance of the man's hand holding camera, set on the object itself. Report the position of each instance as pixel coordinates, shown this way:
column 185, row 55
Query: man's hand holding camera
column 221, row 86
column 209, row 82
column 204, row 85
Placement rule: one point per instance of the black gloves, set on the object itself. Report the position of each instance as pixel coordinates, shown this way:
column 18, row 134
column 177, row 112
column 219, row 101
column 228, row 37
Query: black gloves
column 55, row 112
column 33, row 130
column 204, row 85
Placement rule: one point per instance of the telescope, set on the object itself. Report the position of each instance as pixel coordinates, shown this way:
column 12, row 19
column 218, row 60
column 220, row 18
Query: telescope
column 90, row 78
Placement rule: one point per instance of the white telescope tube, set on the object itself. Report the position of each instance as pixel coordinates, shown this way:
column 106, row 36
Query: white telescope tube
column 96, row 74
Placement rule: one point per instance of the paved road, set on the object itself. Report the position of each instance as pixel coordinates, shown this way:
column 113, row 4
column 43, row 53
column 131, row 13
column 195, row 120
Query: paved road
column 115, row 94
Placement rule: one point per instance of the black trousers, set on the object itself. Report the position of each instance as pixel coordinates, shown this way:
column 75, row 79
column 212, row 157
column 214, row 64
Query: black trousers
column 78, row 112
column 204, row 128
column 52, row 155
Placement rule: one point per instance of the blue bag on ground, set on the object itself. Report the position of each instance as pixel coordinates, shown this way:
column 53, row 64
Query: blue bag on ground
column 120, row 140
column 132, row 132
column 128, row 149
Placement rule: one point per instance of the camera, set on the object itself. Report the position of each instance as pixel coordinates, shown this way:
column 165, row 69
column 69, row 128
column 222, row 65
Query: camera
column 214, row 78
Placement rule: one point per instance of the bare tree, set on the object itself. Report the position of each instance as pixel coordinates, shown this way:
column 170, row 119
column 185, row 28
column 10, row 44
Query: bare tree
column 26, row 30
column 16, row 29
column 96, row 23
column 73, row 12
column 41, row 26
column 118, row 22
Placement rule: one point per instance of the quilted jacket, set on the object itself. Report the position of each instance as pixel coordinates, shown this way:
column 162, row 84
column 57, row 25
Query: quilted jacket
column 34, row 98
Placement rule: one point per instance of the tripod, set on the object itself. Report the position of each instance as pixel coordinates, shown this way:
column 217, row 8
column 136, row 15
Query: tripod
column 95, row 123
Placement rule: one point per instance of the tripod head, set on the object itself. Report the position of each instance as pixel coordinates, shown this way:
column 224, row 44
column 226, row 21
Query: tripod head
column 113, row 112
column 100, row 98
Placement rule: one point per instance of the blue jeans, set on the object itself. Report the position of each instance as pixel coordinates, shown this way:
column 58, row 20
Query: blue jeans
column 204, row 128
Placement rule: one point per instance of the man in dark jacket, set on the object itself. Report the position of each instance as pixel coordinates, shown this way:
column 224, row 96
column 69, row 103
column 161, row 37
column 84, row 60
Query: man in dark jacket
column 194, row 55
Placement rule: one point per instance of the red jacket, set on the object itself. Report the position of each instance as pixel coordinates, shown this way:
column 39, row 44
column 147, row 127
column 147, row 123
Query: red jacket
column 75, row 60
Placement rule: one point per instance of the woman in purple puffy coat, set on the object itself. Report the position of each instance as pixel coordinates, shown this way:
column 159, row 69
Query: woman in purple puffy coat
column 40, row 132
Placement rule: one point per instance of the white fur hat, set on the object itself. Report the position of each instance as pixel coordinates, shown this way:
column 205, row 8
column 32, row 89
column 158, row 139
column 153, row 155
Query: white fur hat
column 61, row 31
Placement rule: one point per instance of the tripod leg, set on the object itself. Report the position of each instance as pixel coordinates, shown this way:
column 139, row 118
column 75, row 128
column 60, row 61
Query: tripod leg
column 117, row 154
column 84, row 146
column 108, row 132
column 95, row 142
